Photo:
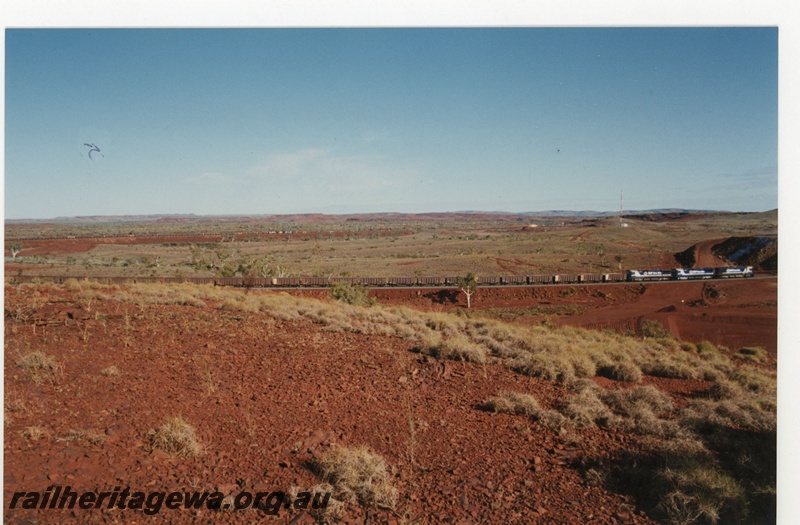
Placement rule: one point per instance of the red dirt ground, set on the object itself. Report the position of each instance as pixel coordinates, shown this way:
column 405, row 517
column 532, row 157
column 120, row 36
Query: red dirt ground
column 703, row 256
column 64, row 246
column 283, row 393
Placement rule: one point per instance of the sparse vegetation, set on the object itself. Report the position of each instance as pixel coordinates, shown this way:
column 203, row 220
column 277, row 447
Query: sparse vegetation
column 91, row 437
column 359, row 475
column 35, row 433
column 709, row 461
column 175, row 437
column 383, row 247
column 38, row 361
column 585, row 408
column 11, row 404
column 623, row 371
column 518, row 403
column 458, row 348
column 654, row 329
column 754, row 354
column 39, row 365
column 353, row 294
column 513, row 403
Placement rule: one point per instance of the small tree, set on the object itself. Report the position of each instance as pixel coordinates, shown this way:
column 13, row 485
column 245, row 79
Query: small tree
column 15, row 248
column 619, row 260
column 468, row 285
column 601, row 251
column 266, row 267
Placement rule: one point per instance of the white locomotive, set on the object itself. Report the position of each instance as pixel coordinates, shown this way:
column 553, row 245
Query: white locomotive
column 684, row 274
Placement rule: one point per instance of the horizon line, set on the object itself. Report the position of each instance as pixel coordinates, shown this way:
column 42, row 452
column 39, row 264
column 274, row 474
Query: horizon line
column 552, row 212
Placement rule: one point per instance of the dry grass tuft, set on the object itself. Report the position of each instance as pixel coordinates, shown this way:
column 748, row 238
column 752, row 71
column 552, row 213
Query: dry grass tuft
column 458, row 348
column 175, row 437
column 513, row 403
column 544, row 365
column 594, row 478
column 13, row 403
column 685, row 445
column 628, row 401
column 689, row 347
column 623, row 371
column 40, row 366
column 110, row 371
column 756, row 380
column 704, row 414
column 39, row 361
column 358, row 474
column 700, row 494
column 585, row 408
column 462, row 349
column 35, row 433
column 670, row 367
column 206, row 374
column 525, row 404
column 92, row 437
column 754, row 354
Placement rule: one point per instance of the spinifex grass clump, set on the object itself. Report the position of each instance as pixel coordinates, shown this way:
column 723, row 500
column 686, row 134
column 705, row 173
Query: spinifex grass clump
column 40, row 366
column 358, row 474
column 754, row 354
column 513, row 403
column 38, row 361
column 175, row 437
column 458, row 348
column 622, row 371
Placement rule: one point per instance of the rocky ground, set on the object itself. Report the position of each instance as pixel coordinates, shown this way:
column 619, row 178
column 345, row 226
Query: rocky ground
column 268, row 397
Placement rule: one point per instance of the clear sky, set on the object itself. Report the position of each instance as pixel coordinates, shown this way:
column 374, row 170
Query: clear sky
column 246, row 121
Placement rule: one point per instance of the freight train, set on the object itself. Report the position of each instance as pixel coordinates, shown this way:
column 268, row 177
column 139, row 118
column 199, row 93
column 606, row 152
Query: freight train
column 685, row 274
column 675, row 274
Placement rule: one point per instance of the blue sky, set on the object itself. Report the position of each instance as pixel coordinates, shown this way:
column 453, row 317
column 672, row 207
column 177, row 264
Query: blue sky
column 245, row 121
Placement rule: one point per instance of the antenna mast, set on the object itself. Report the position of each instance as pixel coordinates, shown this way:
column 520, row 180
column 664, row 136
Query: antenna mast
column 620, row 208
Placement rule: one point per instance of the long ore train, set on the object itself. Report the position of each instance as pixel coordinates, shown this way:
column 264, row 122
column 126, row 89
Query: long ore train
column 675, row 274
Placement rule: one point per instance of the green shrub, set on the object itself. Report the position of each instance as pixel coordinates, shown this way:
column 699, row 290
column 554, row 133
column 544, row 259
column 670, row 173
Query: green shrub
column 351, row 294
column 655, row 329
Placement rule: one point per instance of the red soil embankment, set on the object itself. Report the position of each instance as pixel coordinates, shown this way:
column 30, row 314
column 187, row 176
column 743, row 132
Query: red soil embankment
column 732, row 313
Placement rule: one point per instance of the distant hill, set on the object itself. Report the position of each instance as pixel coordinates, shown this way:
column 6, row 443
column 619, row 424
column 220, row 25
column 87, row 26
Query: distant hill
column 314, row 217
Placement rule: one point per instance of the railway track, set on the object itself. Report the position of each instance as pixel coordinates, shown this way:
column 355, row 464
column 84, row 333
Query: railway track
column 372, row 282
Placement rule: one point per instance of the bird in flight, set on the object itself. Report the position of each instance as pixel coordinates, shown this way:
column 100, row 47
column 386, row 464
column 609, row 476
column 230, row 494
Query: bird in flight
column 94, row 148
